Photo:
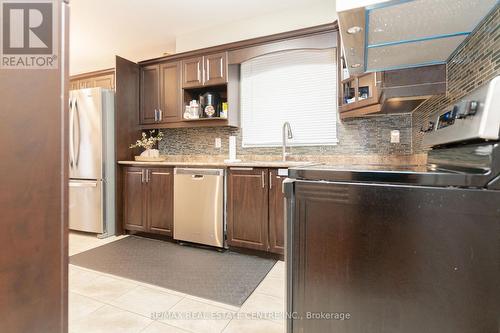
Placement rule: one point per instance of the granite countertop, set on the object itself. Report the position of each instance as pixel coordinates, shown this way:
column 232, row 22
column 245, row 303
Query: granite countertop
column 274, row 161
column 247, row 164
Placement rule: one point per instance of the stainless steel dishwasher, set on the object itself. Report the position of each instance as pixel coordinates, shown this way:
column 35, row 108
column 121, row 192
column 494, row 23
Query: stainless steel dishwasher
column 199, row 206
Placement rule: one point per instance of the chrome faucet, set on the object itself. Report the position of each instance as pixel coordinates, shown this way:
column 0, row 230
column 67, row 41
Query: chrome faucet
column 287, row 133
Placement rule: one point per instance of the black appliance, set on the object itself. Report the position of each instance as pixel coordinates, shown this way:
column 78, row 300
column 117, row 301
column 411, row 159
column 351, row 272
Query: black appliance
column 210, row 104
column 402, row 249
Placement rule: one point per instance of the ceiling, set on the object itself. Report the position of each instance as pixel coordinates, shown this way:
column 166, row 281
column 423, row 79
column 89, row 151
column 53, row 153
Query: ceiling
column 143, row 29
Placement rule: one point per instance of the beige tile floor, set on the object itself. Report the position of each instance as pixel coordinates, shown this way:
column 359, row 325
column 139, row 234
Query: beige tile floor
column 101, row 302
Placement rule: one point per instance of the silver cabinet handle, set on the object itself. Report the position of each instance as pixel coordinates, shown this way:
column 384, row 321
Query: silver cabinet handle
column 160, row 114
column 147, row 175
column 201, row 71
column 156, row 115
column 263, row 179
column 142, row 176
column 240, row 169
column 270, row 180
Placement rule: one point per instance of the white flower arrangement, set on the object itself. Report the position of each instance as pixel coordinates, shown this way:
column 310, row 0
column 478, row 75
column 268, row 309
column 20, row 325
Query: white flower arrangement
column 148, row 142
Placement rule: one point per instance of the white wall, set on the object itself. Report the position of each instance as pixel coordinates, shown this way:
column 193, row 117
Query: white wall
column 292, row 19
column 145, row 29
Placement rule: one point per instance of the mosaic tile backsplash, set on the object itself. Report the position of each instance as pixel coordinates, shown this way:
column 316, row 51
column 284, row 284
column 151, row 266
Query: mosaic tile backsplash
column 361, row 136
column 474, row 64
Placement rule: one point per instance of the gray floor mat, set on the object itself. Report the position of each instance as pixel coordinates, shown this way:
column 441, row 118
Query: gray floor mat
column 223, row 277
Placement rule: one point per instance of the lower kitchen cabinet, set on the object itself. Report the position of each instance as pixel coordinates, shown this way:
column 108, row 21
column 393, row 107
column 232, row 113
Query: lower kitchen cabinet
column 161, row 201
column 255, row 209
column 247, row 208
column 148, row 200
column 134, row 197
column 276, row 213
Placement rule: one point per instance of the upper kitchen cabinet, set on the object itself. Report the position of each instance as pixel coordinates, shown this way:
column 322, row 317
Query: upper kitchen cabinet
column 360, row 95
column 192, row 75
column 215, row 69
column 150, row 92
column 160, row 93
column 100, row 79
column 205, row 71
column 170, row 87
column 382, row 35
column 395, row 91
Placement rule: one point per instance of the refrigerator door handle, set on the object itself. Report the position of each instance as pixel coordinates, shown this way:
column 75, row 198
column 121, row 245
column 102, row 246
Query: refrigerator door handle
column 76, row 149
column 71, row 134
column 83, row 184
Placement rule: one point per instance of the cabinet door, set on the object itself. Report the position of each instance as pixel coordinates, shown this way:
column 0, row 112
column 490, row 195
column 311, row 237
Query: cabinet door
column 170, row 92
column 160, row 201
column 134, row 199
column 149, row 94
column 105, row 81
column 192, row 72
column 74, row 85
column 247, row 220
column 215, row 69
column 276, row 213
column 86, row 83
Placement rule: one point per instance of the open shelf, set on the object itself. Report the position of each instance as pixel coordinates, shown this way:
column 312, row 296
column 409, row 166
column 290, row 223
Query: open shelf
column 189, row 94
column 205, row 119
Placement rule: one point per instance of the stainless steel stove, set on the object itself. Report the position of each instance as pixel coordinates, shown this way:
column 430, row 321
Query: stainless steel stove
column 406, row 248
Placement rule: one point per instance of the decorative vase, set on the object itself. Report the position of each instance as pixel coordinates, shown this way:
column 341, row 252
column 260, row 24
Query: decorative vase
column 150, row 155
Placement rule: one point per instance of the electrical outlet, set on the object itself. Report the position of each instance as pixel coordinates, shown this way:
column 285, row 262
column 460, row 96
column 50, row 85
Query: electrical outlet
column 395, row 136
column 218, row 143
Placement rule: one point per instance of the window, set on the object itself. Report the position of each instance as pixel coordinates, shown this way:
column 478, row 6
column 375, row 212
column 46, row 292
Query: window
column 298, row 86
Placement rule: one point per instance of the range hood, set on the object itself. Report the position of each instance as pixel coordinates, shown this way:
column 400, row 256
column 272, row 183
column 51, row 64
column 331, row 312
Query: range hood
column 382, row 35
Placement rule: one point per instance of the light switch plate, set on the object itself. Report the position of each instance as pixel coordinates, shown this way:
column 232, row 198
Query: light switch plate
column 218, row 142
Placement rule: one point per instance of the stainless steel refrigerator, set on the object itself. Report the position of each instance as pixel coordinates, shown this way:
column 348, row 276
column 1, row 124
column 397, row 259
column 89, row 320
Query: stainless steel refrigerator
column 92, row 161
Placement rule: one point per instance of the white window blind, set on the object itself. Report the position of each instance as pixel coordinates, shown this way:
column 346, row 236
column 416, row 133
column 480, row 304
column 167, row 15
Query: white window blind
column 298, row 86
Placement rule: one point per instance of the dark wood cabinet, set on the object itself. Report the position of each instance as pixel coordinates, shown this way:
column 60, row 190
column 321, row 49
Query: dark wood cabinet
column 255, row 209
column 160, row 201
column 204, row 71
column 134, row 199
column 192, row 72
column 170, row 88
column 215, row 69
column 247, row 211
column 150, row 98
column 276, row 213
column 148, row 200
column 160, row 93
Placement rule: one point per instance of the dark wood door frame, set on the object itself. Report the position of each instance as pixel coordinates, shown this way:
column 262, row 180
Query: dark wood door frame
column 34, row 195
